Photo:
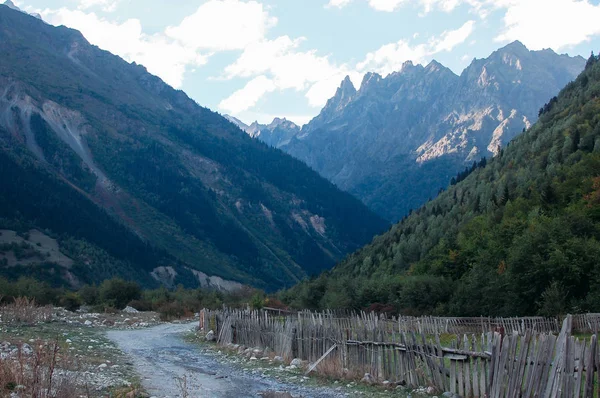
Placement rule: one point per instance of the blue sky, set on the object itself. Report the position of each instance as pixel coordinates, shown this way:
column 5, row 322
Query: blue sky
column 257, row 59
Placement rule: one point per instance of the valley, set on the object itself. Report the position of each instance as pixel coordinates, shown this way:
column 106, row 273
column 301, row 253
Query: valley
column 429, row 227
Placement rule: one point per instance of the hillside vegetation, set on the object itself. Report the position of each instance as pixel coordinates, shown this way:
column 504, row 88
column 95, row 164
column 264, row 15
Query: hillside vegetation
column 518, row 236
column 134, row 179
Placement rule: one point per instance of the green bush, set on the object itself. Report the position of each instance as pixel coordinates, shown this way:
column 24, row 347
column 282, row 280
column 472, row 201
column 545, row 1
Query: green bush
column 117, row 292
column 141, row 305
column 89, row 294
column 70, row 301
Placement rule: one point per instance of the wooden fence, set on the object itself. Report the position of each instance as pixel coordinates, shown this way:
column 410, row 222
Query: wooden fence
column 522, row 363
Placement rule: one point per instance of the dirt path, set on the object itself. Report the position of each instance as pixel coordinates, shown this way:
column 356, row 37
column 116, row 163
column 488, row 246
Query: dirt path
column 163, row 359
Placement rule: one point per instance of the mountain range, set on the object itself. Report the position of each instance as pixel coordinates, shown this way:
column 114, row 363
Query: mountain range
column 517, row 235
column 277, row 134
column 399, row 139
column 124, row 175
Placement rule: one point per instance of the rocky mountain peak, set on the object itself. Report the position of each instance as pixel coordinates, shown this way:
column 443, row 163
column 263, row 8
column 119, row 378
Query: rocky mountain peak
column 282, row 123
column 514, row 47
column 12, row 5
column 424, row 122
column 435, row 66
column 407, row 65
column 346, row 88
column 370, row 80
column 343, row 95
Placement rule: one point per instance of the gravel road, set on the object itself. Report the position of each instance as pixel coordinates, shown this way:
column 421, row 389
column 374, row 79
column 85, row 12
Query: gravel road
column 165, row 362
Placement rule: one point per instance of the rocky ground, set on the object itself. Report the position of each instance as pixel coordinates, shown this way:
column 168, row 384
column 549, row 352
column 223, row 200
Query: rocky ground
column 174, row 364
column 131, row 354
column 89, row 359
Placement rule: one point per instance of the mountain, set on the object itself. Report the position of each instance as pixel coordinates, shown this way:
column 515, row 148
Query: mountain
column 12, row 6
column 126, row 176
column 276, row 134
column 241, row 125
column 519, row 235
column 398, row 139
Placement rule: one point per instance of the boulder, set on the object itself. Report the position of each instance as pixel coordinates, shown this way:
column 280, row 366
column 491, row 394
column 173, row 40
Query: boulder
column 130, row 310
column 210, row 336
column 449, row 394
column 297, row 362
column 368, row 379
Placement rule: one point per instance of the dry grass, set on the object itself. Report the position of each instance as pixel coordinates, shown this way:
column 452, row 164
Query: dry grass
column 331, row 367
column 24, row 311
column 128, row 392
column 182, row 383
column 39, row 371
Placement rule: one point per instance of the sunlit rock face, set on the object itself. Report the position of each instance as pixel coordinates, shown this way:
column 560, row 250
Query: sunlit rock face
column 396, row 140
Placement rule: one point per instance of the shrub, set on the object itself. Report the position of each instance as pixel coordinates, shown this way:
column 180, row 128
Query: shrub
column 257, row 301
column 70, row 301
column 36, row 374
column 24, row 311
column 141, row 305
column 118, row 292
column 89, row 295
column 174, row 310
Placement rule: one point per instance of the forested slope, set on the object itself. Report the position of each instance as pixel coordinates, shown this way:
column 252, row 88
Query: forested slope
column 135, row 178
column 518, row 236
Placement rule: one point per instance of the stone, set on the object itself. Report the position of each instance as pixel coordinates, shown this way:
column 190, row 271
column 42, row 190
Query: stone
column 102, row 366
column 297, row 362
column 210, row 336
column 88, row 323
column 26, row 349
column 430, row 390
column 368, row 379
column 130, row 310
column 278, row 359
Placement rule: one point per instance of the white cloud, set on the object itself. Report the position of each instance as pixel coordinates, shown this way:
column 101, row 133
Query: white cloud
column 338, row 3
column 444, row 5
column 426, row 5
column 247, row 97
column 223, row 25
column 390, row 57
column 320, row 91
column 289, row 68
column 161, row 55
column 105, row 5
column 385, row 5
column 259, row 57
column 552, row 24
column 451, row 39
column 217, row 25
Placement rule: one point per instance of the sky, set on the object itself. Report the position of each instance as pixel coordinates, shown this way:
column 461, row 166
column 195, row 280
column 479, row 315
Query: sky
column 260, row 59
